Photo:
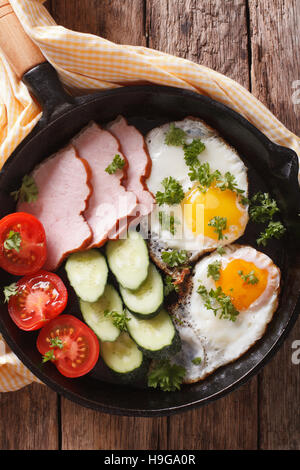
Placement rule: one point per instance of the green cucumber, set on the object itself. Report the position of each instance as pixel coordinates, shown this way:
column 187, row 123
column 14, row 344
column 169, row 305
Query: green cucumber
column 156, row 337
column 146, row 301
column 123, row 357
column 128, row 259
column 94, row 314
column 87, row 272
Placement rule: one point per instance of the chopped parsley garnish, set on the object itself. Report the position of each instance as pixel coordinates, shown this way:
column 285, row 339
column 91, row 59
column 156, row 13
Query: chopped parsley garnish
column 219, row 224
column 56, row 343
column 220, row 303
column 168, row 377
column 221, row 250
column 174, row 257
column 273, row 230
column 249, row 278
column 169, row 285
column 117, row 164
column 229, row 183
column 10, row 291
column 213, row 270
column 197, row 361
column 175, row 136
column 203, row 174
column 167, row 222
column 28, row 191
column 119, row 320
column 48, row 356
column 262, row 207
column 13, row 241
column 173, row 192
column 191, row 152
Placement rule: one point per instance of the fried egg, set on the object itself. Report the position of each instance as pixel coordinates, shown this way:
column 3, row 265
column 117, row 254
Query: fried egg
column 192, row 229
column 252, row 281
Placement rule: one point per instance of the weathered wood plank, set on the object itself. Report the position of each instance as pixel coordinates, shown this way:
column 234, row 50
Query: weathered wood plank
column 117, row 20
column 28, row 419
column 275, row 45
column 213, row 34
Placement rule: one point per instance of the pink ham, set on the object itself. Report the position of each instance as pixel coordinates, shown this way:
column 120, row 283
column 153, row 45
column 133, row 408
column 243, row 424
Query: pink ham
column 64, row 189
column 110, row 203
column 134, row 149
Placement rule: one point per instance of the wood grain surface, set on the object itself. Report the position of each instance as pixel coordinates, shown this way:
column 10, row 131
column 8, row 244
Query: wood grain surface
column 255, row 42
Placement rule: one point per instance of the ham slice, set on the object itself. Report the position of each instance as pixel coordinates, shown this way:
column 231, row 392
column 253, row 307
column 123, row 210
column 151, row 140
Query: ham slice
column 110, row 204
column 64, row 190
column 139, row 169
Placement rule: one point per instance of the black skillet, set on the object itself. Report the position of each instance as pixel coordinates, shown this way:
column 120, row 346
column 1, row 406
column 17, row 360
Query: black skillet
column 271, row 168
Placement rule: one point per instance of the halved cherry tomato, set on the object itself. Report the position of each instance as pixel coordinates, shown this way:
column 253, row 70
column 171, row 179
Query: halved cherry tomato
column 70, row 344
column 26, row 233
column 39, row 299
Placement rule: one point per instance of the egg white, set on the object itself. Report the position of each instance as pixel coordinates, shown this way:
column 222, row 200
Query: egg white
column 224, row 341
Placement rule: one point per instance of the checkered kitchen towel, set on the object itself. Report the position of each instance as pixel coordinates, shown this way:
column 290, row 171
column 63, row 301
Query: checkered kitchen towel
column 88, row 62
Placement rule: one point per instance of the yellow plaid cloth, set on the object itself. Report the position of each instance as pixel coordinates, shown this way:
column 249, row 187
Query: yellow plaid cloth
column 88, row 62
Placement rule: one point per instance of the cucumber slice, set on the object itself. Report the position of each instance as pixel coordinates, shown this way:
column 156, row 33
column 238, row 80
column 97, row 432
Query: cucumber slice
column 87, row 272
column 147, row 300
column 122, row 356
column 156, row 337
column 128, row 259
column 93, row 314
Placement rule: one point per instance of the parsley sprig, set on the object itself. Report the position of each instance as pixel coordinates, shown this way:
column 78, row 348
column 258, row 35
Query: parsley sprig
column 119, row 320
column 28, row 192
column 219, row 224
column 169, row 285
column 174, row 258
column 213, row 270
column 202, row 173
column 197, row 361
column 192, row 151
column 168, row 377
column 54, row 343
column 273, row 230
column 173, row 193
column 175, row 136
column 13, row 241
column 10, row 291
column 220, row 303
column 262, row 207
column 117, row 164
column 249, row 278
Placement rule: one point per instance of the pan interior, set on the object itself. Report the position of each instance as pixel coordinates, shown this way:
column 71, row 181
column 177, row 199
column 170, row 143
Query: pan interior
column 145, row 108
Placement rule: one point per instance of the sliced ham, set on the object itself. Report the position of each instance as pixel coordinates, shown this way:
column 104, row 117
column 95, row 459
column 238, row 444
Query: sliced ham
column 139, row 162
column 110, row 204
column 64, row 190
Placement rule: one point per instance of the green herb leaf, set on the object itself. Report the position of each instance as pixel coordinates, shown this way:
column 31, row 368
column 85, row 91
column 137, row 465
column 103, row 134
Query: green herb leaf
column 173, row 192
column 13, row 241
column 262, row 207
column 175, row 136
column 28, row 191
column 191, row 152
column 218, row 302
column 169, row 286
column 10, row 291
column 49, row 356
column 56, row 343
column 174, row 257
column 221, row 250
column 117, row 164
column 219, row 224
column 273, row 230
column 249, row 278
column 168, row 377
column 119, row 320
column 213, row 270
column 197, row 361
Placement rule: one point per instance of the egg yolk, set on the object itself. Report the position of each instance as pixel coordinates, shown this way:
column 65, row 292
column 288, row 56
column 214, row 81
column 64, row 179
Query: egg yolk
column 199, row 208
column 242, row 292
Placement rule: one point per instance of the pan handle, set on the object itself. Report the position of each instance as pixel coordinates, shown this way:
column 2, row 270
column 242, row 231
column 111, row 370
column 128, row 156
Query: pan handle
column 31, row 66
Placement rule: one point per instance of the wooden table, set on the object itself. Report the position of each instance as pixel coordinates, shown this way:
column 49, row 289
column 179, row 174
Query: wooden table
column 255, row 42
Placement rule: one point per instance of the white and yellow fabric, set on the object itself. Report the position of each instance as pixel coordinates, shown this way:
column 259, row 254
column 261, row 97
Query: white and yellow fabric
column 88, row 62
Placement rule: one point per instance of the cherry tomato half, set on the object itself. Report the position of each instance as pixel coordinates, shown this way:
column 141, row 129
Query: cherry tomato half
column 23, row 248
column 70, row 344
column 39, row 299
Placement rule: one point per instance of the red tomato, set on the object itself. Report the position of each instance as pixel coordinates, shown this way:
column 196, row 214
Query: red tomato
column 26, row 233
column 72, row 345
column 40, row 298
